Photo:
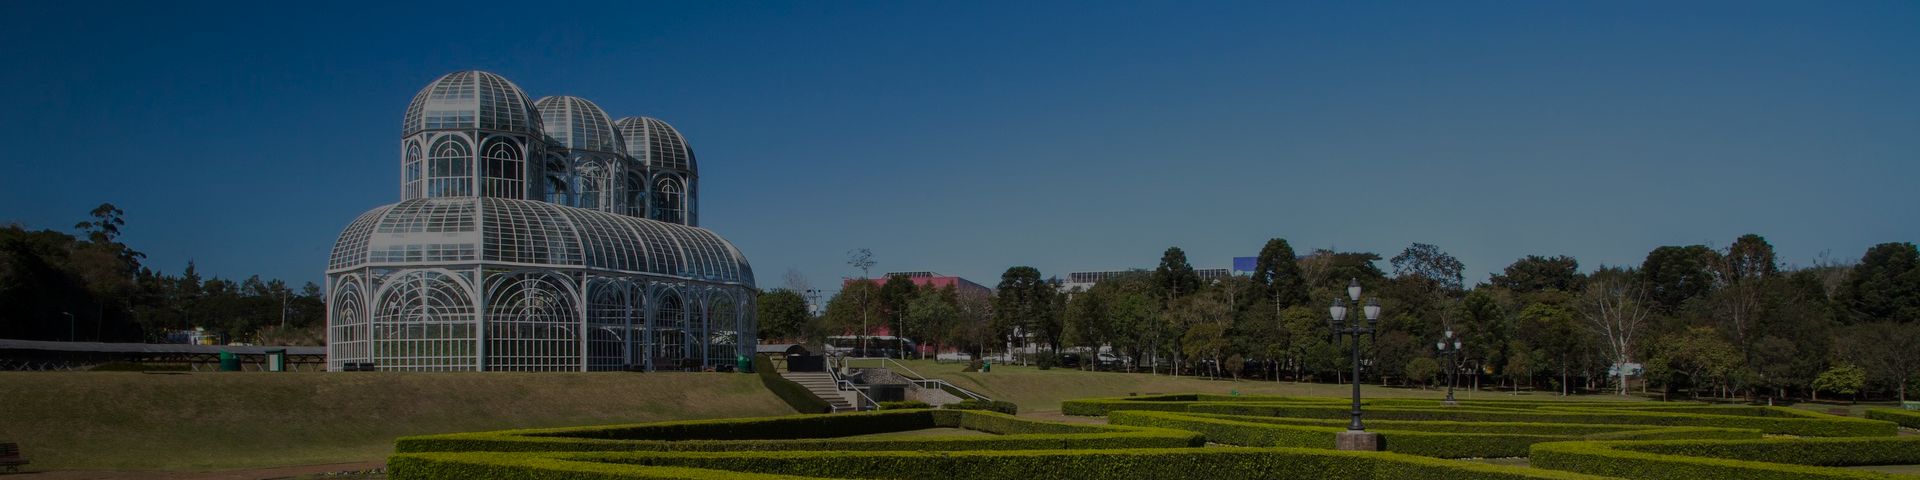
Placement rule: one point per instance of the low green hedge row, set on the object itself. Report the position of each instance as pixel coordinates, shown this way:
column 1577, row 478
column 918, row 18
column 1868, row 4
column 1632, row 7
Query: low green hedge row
column 904, row 405
column 796, row 395
column 1589, row 431
column 1906, row 418
column 1785, row 423
column 1180, row 402
column 810, row 432
column 1451, row 440
column 1764, row 459
column 992, row 406
column 1125, row 464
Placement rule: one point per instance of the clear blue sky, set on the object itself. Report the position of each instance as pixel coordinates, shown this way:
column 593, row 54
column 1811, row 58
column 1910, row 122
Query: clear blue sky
column 966, row 137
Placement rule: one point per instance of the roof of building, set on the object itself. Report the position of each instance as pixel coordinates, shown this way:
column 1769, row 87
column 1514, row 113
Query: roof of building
column 471, row 99
column 578, row 124
column 656, row 144
column 468, row 230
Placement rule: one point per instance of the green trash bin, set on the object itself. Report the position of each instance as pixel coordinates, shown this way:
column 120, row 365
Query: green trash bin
column 741, row 364
column 229, row 362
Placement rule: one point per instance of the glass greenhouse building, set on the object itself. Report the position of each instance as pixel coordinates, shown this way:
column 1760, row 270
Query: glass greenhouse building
column 536, row 236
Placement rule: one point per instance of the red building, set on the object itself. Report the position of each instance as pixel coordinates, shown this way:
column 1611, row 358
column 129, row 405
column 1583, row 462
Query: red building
column 924, row 279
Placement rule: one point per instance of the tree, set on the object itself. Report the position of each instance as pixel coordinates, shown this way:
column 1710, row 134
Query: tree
column 1885, row 285
column 1422, row 370
column 1750, row 258
column 1200, row 323
column 1673, row 275
column 895, row 294
column 782, row 314
column 1535, row 273
column 1023, row 303
column 1330, row 270
column 1615, row 309
column 1485, row 330
column 1550, row 328
column 1087, row 322
column 1694, row 357
column 934, row 312
column 1889, row 352
column 1427, row 262
column 1277, row 270
column 1844, row 379
column 849, row 311
column 1175, row 278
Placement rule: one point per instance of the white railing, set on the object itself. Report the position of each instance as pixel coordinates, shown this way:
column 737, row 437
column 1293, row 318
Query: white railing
column 923, row 381
column 845, row 385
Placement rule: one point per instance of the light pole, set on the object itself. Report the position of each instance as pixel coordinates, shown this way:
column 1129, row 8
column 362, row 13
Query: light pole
column 1449, row 347
column 1356, row 437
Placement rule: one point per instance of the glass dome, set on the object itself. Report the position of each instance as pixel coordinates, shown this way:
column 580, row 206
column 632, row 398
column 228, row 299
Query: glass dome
column 656, row 144
column 467, row 230
column 471, row 99
column 578, row 124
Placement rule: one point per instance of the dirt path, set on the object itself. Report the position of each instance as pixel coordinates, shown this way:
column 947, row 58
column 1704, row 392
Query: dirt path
column 351, row 470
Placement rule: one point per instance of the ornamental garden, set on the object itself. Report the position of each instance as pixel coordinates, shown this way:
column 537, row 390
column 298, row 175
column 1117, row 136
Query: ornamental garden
column 1206, row 437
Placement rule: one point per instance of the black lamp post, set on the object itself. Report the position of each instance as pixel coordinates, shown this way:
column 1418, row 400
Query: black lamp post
column 1356, row 437
column 1449, row 347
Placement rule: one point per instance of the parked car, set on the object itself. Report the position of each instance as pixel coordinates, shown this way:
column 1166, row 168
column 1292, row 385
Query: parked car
column 1069, row 360
column 1109, row 361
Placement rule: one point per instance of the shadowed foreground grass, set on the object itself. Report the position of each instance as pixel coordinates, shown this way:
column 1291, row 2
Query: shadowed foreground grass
column 211, row 421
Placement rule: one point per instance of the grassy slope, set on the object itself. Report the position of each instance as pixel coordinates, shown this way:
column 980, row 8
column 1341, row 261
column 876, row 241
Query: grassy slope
column 205, row 421
column 1038, row 390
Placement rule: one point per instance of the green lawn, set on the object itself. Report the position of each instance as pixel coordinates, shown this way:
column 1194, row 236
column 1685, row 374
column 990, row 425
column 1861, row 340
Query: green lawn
column 1037, row 390
column 212, row 421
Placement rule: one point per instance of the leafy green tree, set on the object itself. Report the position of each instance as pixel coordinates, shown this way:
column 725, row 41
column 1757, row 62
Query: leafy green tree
column 935, row 313
column 852, row 311
column 1535, row 273
column 1421, row 371
column 1025, row 302
column 1427, row 262
column 1551, row 328
column 1199, row 324
column 1750, row 258
column 1484, row 329
column 1277, row 270
column 1674, row 275
column 895, row 294
column 1175, row 278
column 1692, row 358
column 1885, row 285
column 1889, row 352
column 1329, row 271
column 782, row 314
column 1844, row 378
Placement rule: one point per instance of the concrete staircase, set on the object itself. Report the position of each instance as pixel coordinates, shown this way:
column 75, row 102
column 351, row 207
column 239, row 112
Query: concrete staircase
column 821, row 384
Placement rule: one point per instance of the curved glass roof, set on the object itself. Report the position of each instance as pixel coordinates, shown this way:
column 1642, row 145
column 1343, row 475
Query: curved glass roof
column 579, row 124
column 471, row 99
column 656, row 144
column 468, row 230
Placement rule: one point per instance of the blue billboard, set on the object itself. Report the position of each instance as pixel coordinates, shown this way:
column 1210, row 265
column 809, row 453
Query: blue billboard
column 1244, row 264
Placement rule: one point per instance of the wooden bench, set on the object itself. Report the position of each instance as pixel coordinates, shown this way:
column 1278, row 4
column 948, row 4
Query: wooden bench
column 10, row 457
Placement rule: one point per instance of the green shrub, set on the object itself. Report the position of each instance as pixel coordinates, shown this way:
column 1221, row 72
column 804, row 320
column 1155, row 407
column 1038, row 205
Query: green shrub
column 1123, row 464
column 1906, row 418
column 1431, row 439
column 1764, row 459
column 993, row 406
column 1782, row 420
column 796, row 396
column 910, row 404
column 810, row 432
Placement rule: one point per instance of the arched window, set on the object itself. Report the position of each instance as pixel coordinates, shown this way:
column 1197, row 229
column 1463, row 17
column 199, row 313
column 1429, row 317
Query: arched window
column 424, row 321
column 670, row 332
column 559, row 182
column 667, row 198
column 503, row 169
column 595, row 186
column 410, row 172
column 636, row 194
column 449, row 168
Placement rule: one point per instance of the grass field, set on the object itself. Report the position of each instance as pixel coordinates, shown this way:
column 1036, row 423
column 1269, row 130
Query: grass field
column 216, row 421
column 1037, row 390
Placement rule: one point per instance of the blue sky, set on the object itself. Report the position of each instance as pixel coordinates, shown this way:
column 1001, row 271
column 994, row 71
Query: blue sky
column 966, row 137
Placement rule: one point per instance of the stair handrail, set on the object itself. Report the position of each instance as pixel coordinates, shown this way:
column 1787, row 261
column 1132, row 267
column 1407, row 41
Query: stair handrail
column 844, row 385
column 924, row 382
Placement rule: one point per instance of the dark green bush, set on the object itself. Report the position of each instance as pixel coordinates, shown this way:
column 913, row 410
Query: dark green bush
column 1906, row 418
column 1784, row 421
column 1764, row 459
column 1431, row 439
column 993, row 406
column 905, row 405
column 1123, row 464
column 796, row 396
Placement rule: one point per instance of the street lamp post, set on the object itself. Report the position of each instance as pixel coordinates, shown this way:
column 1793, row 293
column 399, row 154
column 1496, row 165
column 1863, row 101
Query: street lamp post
column 1449, row 347
column 1356, row 437
column 70, row 329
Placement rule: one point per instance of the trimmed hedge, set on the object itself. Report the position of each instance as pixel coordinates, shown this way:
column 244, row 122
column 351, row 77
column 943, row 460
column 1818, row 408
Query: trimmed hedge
column 1126, row 464
column 1431, row 439
column 1782, row 420
column 1906, row 418
column 796, row 396
column 1765, row 459
column 1005, row 407
column 810, row 432
column 906, row 405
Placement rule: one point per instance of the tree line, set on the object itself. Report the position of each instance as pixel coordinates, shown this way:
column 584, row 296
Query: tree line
column 1689, row 320
column 89, row 286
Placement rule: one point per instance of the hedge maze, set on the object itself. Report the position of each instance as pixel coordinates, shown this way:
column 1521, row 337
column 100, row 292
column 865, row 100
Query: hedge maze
column 1200, row 436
